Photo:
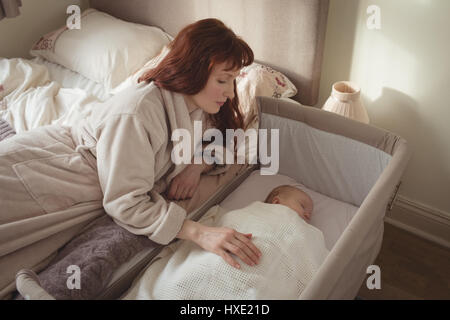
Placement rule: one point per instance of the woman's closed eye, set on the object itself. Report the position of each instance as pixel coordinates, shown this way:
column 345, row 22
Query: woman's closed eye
column 226, row 80
column 223, row 81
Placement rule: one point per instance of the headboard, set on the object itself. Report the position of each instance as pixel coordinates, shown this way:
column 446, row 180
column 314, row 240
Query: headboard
column 287, row 35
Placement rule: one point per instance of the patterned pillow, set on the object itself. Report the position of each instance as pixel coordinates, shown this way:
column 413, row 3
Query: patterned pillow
column 260, row 80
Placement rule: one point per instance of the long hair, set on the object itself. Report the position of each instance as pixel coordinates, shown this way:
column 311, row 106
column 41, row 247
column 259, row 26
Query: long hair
column 192, row 55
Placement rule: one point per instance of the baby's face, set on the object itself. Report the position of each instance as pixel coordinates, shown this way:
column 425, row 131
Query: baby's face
column 298, row 201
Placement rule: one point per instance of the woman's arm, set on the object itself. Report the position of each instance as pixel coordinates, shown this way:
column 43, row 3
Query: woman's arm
column 221, row 241
column 186, row 182
column 126, row 171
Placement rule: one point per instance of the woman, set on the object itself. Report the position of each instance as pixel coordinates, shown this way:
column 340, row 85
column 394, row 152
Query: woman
column 54, row 180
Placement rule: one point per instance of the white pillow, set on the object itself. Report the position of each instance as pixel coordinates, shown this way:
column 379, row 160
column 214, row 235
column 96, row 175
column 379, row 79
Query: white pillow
column 133, row 79
column 329, row 215
column 106, row 49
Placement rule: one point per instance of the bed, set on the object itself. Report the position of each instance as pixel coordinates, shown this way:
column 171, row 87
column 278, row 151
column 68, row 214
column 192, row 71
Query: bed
column 355, row 167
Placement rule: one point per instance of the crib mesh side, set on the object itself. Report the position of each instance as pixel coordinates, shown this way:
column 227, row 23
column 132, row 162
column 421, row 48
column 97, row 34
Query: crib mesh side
column 334, row 165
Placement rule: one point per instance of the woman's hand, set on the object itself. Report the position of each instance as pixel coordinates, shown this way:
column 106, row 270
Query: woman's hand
column 185, row 183
column 222, row 241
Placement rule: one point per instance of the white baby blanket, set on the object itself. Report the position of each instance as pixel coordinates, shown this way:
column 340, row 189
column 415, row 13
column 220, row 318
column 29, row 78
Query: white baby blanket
column 292, row 251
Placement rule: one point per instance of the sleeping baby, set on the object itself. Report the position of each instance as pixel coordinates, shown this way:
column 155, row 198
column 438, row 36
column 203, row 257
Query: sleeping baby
column 294, row 198
column 292, row 251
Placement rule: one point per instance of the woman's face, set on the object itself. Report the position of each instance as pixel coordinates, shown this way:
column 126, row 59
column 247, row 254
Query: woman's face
column 218, row 89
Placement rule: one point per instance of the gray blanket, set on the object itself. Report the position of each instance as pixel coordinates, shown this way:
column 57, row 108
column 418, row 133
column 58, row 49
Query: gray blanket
column 97, row 252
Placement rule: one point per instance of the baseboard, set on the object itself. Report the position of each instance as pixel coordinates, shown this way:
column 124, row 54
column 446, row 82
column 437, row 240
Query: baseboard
column 426, row 222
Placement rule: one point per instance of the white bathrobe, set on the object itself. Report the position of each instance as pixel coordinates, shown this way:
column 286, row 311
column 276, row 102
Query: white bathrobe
column 55, row 180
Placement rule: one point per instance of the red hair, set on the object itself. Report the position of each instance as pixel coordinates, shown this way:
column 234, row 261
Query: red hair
column 188, row 65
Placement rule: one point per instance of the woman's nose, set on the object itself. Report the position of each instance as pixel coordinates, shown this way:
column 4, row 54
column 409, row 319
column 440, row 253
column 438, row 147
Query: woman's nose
column 229, row 93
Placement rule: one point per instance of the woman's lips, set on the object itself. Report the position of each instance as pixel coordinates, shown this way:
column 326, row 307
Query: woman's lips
column 220, row 103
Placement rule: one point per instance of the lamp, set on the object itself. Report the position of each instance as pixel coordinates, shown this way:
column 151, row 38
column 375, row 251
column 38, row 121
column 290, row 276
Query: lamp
column 345, row 99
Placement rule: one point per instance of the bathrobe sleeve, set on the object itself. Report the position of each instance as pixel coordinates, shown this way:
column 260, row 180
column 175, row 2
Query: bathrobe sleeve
column 126, row 169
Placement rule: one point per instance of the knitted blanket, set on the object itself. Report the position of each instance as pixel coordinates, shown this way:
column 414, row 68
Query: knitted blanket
column 292, row 251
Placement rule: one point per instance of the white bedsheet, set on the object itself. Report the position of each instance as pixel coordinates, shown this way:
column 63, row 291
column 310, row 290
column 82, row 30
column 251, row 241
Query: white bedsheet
column 37, row 92
column 30, row 98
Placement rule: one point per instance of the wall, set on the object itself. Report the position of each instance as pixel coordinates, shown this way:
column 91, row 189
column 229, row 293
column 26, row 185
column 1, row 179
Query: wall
column 37, row 18
column 403, row 70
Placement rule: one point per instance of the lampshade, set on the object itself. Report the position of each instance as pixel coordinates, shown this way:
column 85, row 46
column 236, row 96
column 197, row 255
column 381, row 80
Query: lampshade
column 345, row 99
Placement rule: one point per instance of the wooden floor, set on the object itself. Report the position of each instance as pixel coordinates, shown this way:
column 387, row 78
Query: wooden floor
column 411, row 268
